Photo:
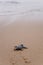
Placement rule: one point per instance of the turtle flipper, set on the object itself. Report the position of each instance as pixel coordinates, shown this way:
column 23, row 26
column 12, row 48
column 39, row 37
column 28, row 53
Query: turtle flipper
column 25, row 47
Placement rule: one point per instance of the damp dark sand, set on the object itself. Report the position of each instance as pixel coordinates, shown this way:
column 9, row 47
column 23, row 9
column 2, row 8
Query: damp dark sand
column 31, row 34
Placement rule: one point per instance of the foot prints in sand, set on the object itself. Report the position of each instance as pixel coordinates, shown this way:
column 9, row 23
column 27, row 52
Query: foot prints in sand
column 18, row 59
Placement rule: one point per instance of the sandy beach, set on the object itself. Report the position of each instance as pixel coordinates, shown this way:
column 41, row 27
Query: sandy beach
column 30, row 34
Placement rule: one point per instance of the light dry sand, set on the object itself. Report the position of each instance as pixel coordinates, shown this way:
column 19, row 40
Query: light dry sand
column 31, row 34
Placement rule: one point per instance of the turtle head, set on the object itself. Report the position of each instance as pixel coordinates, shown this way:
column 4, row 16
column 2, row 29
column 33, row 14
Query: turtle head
column 22, row 45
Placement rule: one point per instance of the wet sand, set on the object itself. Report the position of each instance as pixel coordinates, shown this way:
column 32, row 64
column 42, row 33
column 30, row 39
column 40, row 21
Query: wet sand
column 31, row 34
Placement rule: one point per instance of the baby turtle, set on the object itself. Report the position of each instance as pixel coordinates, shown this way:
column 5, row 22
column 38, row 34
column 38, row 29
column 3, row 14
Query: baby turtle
column 20, row 47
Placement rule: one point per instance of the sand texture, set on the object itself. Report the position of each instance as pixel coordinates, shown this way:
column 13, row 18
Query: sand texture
column 31, row 34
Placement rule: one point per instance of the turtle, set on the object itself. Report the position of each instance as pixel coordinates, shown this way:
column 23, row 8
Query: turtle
column 20, row 47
